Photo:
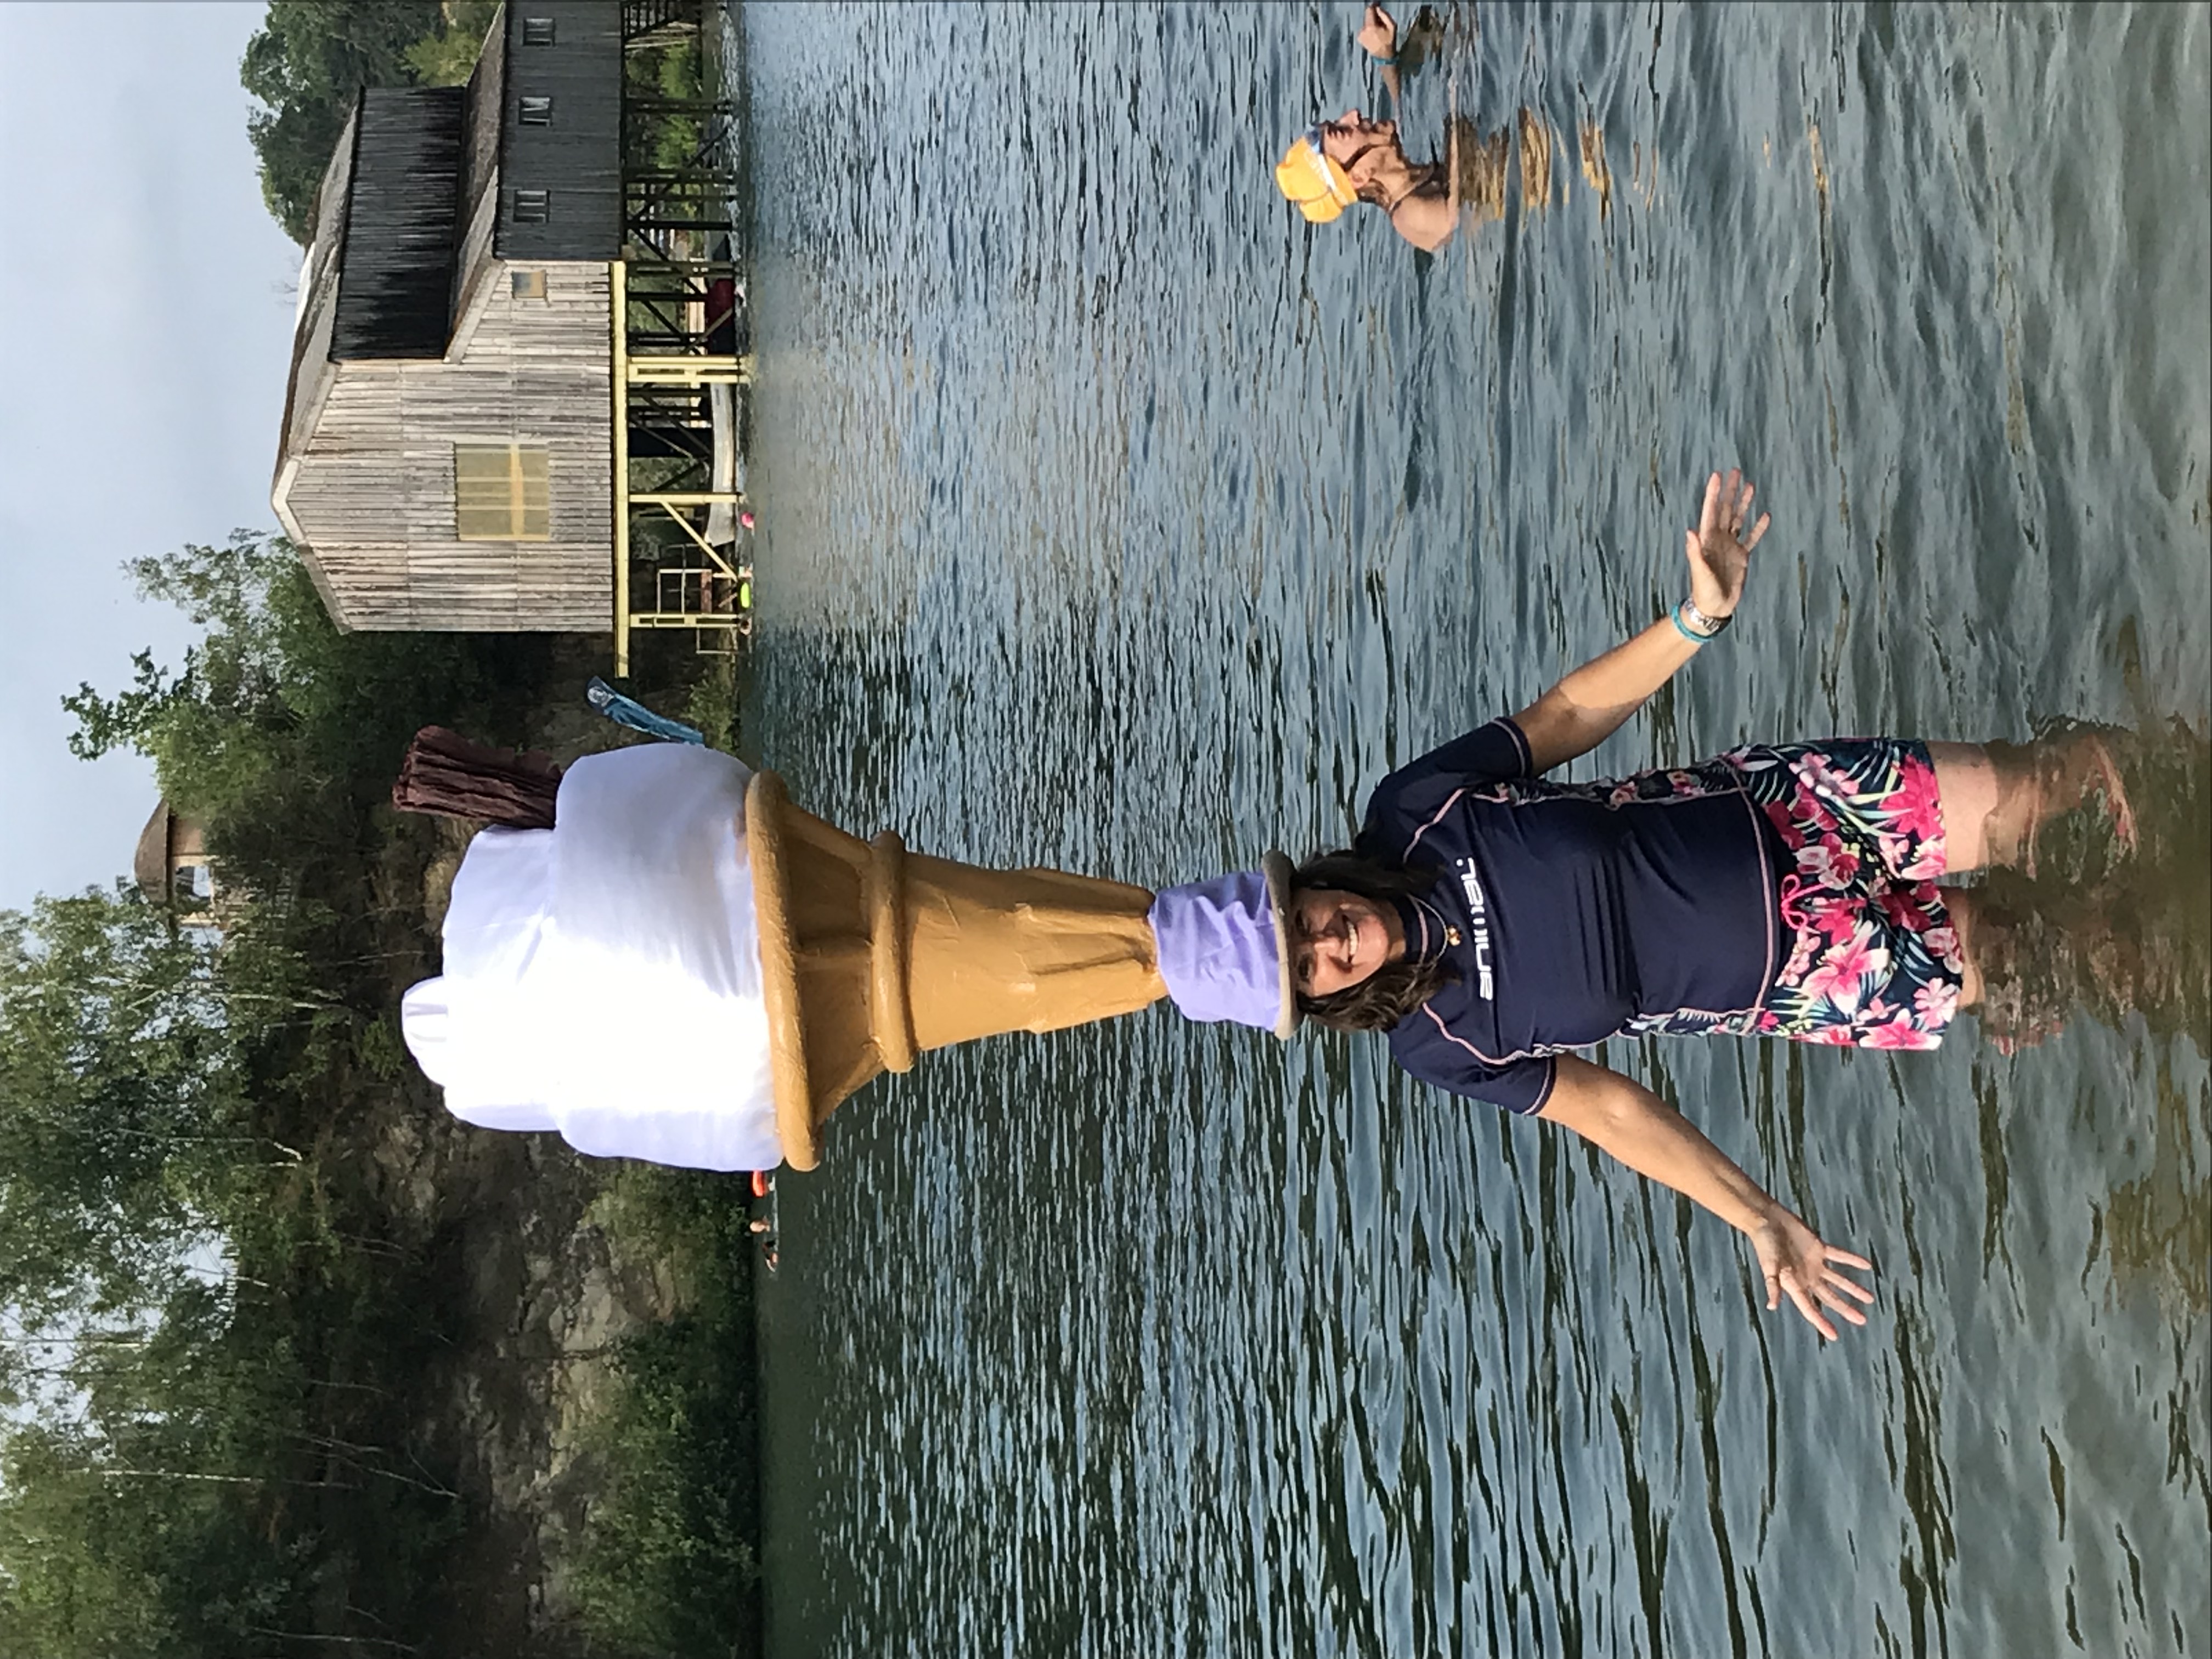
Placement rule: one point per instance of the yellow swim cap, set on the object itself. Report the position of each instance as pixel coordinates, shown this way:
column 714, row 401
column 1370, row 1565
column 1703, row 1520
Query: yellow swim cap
column 1307, row 176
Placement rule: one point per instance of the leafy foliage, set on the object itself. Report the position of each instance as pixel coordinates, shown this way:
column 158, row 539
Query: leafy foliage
column 210, row 1307
column 311, row 57
column 281, row 734
column 103, row 1035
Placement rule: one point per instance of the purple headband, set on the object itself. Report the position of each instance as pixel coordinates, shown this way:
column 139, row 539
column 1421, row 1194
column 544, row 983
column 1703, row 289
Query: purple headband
column 1222, row 947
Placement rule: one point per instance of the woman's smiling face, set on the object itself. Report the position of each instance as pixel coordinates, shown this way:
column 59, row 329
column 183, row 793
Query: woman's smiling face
column 1340, row 939
column 1356, row 144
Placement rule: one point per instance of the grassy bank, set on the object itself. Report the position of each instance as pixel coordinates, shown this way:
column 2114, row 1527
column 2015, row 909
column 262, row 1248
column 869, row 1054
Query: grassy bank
column 671, row 1563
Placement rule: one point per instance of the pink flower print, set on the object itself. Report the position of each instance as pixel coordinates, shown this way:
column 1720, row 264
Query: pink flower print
column 1801, row 959
column 1876, row 1009
column 1622, row 793
column 1898, row 1033
column 1822, row 778
column 1832, row 863
column 1901, row 907
column 1811, row 911
column 1942, row 944
column 1915, row 807
column 1769, row 1022
column 1935, row 1004
column 1836, row 1036
column 1684, row 784
column 1930, row 862
column 1843, row 966
column 1835, row 920
column 1897, row 853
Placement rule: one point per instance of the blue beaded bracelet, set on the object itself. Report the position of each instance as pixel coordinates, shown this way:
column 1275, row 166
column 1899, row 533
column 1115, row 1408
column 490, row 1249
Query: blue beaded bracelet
column 1689, row 632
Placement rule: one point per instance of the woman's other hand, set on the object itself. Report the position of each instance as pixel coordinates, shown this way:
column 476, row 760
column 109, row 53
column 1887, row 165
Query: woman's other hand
column 1719, row 549
column 1635, row 1126
column 1379, row 34
column 1799, row 1264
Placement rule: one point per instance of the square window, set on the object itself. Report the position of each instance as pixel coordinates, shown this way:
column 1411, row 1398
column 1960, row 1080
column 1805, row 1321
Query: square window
column 537, row 31
column 500, row 493
column 532, row 206
column 527, row 284
column 537, row 112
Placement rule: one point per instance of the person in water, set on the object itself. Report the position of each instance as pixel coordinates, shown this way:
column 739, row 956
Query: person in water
column 1493, row 920
column 1355, row 159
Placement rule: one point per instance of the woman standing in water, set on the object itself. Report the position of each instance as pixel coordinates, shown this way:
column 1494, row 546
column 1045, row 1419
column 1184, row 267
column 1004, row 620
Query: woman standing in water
column 1354, row 159
column 1491, row 921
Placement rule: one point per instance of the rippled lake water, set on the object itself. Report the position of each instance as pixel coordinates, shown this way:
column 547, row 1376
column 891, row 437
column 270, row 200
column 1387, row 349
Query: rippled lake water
column 1114, row 518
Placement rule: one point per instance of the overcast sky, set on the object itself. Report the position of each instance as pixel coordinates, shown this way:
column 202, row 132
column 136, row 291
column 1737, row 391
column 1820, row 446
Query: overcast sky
column 145, row 328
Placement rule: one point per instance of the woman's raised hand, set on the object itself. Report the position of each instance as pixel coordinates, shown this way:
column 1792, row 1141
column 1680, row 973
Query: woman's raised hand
column 1799, row 1264
column 1379, row 34
column 1720, row 548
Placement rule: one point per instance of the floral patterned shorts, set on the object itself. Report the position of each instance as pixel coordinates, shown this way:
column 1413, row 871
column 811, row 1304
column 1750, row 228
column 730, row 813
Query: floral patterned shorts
column 1875, row 961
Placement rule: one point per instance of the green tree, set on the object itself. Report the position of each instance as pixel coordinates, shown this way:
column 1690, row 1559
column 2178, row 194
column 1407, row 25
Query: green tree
column 66, row 1591
column 309, row 60
column 222, row 1332
column 208, row 1317
column 280, row 733
column 115, row 1089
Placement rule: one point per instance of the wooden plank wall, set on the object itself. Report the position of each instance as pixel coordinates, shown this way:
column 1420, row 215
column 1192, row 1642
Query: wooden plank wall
column 373, row 495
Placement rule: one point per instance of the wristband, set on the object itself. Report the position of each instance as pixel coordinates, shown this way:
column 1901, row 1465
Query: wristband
column 1695, row 625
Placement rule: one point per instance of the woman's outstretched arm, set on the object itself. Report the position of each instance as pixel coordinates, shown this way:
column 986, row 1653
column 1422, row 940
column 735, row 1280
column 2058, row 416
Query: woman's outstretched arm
column 1588, row 706
column 1628, row 1121
column 1378, row 36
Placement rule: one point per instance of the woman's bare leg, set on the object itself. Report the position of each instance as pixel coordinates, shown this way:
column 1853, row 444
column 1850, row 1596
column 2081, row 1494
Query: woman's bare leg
column 2019, row 978
column 1997, row 795
column 1967, row 782
column 1966, row 921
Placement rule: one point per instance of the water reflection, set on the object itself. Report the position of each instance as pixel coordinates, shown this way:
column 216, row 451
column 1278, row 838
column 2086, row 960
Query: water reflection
column 1591, row 141
column 2104, row 924
column 2155, row 1231
column 1488, row 164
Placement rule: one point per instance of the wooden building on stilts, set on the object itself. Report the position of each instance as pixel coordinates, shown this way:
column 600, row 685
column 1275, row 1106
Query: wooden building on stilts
column 515, row 371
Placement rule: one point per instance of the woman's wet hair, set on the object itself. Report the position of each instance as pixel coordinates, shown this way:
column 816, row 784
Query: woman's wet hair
column 1396, row 988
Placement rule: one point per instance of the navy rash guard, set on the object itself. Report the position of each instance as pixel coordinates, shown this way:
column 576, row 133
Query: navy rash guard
column 1567, row 917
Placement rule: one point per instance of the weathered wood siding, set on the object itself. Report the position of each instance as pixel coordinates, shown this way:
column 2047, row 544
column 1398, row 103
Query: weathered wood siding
column 373, row 490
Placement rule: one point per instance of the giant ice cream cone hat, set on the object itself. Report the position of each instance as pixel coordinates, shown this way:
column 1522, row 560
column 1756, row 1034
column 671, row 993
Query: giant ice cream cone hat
column 648, row 882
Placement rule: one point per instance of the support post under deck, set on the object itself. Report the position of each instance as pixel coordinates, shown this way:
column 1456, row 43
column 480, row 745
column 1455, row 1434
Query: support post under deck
column 618, row 293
